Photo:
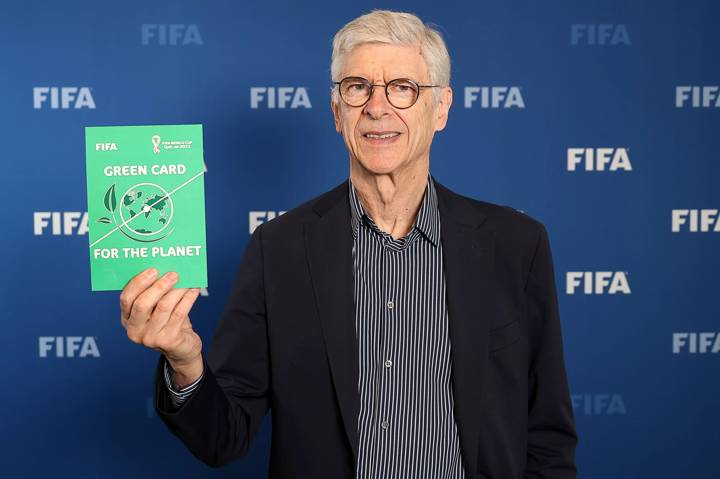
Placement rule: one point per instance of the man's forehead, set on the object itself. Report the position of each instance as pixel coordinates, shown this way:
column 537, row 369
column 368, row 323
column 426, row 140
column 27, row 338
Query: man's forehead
column 386, row 61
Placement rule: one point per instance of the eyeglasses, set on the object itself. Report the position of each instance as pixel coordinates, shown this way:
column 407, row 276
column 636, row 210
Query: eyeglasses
column 401, row 93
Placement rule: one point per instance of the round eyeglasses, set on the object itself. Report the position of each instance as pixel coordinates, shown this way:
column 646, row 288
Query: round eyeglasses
column 401, row 93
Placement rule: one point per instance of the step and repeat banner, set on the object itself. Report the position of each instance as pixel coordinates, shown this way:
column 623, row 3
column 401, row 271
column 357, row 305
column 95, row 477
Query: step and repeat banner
column 599, row 118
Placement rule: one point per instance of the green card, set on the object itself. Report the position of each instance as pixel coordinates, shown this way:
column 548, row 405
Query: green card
column 146, row 203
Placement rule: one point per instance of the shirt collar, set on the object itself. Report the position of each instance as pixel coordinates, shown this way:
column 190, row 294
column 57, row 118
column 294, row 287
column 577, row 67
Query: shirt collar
column 427, row 221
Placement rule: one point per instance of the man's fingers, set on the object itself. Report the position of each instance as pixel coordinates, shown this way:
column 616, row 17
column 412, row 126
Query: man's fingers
column 182, row 310
column 144, row 304
column 139, row 283
column 160, row 315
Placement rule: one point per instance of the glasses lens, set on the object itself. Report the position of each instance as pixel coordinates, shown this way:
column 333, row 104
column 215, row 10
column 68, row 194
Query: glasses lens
column 355, row 91
column 402, row 93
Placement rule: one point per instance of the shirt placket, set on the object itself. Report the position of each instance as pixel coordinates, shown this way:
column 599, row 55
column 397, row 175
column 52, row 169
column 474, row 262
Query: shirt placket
column 386, row 418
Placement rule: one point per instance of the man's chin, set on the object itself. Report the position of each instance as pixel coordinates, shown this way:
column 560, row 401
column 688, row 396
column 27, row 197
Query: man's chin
column 380, row 165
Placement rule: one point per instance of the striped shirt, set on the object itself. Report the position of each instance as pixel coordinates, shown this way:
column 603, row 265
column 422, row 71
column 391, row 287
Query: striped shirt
column 178, row 396
column 406, row 425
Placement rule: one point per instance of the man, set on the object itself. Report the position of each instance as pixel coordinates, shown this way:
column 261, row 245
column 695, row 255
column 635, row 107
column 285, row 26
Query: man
column 395, row 328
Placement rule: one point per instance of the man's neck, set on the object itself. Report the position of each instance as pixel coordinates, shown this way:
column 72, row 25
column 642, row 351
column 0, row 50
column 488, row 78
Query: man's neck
column 391, row 200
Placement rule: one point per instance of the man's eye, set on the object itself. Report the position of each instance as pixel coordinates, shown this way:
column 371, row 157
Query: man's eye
column 402, row 87
column 356, row 86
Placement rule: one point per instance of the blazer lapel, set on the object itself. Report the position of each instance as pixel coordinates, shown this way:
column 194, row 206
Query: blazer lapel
column 328, row 242
column 468, row 259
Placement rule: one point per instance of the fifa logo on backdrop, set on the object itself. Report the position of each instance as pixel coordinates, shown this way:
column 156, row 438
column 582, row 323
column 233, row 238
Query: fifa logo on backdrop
column 494, row 97
column 598, row 159
column 697, row 96
column 60, row 222
column 696, row 343
column 259, row 217
column 696, row 221
column 279, row 97
column 598, row 404
column 173, row 34
column 67, row 347
column 597, row 282
column 63, row 98
column 599, row 34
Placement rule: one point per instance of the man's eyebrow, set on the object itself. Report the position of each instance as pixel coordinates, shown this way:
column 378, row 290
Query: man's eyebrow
column 389, row 78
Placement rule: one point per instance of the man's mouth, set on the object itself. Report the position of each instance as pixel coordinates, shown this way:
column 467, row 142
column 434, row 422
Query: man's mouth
column 380, row 137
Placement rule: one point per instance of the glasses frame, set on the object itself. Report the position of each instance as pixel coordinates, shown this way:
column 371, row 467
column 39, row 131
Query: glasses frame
column 387, row 95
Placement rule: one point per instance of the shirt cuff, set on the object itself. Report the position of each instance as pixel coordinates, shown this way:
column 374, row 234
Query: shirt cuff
column 179, row 396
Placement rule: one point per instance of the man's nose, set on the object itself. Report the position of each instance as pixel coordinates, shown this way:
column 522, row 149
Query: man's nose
column 377, row 105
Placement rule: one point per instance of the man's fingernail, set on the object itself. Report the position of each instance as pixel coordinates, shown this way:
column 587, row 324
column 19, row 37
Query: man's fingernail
column 172, row 276
column 151, row 272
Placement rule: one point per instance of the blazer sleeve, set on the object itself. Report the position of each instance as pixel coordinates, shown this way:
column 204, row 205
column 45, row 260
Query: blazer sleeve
column 552, row 437
column 219, row 420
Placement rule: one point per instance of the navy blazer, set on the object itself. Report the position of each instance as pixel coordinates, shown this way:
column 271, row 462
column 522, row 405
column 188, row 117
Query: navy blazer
column 286, row 340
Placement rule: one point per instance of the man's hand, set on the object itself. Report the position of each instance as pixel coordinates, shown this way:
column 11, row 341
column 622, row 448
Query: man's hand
column 155, row 315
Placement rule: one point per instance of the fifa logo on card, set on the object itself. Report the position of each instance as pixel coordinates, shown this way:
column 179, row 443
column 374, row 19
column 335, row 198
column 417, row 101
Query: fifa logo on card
column 106, row 147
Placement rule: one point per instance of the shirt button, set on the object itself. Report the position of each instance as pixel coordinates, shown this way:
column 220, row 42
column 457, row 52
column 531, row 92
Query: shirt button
column 388, row 363
column 390, row 304
column 385, row 424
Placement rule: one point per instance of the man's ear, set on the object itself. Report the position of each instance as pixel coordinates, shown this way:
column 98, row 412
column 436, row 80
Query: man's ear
column 443, row 108
column 336, row 113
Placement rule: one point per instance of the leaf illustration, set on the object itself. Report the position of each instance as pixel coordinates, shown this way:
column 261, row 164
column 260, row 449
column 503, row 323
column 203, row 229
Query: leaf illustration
column 110, row 201
column 104, row 220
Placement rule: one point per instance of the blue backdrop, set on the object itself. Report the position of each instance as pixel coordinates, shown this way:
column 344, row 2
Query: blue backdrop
column 540, row 88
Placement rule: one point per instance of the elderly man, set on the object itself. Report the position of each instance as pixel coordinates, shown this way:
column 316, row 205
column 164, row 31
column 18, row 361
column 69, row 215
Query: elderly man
column 396, row 329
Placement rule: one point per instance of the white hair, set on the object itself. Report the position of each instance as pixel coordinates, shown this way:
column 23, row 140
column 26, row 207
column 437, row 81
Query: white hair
column 397, row 28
